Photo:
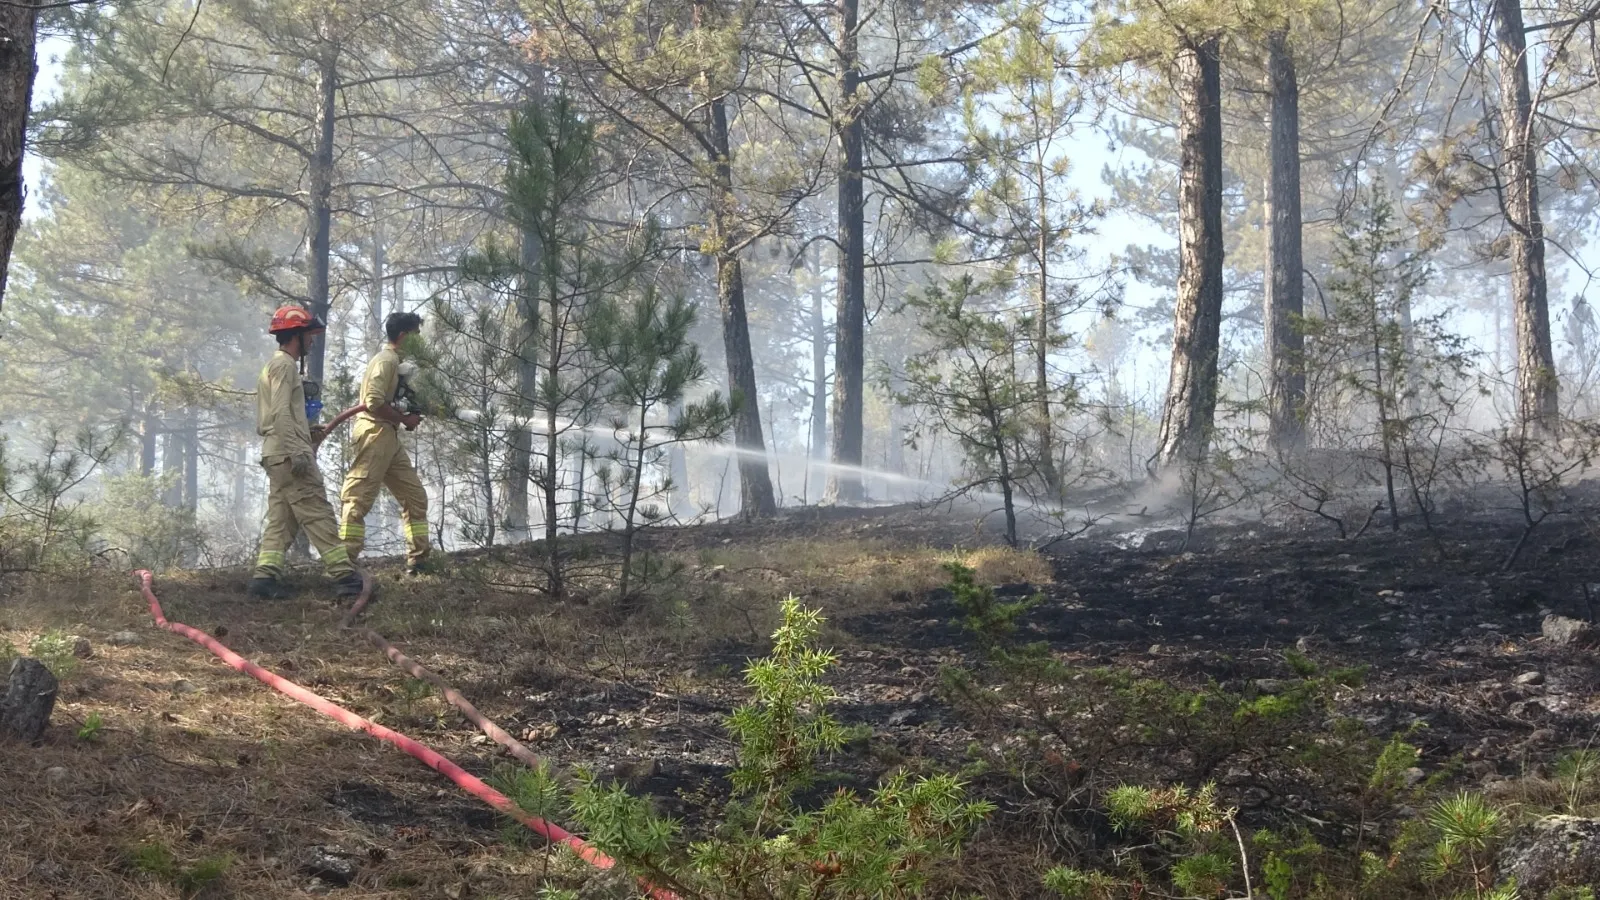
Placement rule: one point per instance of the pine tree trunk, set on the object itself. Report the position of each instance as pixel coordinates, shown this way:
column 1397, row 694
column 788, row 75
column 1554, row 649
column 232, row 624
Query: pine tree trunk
column 320, row 214
column 1536, row 368
column 191, row 465
column 379, row 260
column 1285, row 282
column 819, row 393
column 849, row 351
column 755, row 482
column 1190, row 408
column 520, row 465
column 147, row 446
column 678, row 471
column 172, row 470
column 18, row 30
column 1041, row 354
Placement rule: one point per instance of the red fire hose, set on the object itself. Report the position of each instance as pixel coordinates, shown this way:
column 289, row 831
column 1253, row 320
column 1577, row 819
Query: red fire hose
column 338, row 420
column 547, row 830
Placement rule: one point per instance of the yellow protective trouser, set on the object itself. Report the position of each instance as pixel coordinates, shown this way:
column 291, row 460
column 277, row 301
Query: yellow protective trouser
column 295, row 502
column 380, row 461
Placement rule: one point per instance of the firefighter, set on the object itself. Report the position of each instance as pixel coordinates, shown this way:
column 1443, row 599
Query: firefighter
column 380, row 459
column 297, row 499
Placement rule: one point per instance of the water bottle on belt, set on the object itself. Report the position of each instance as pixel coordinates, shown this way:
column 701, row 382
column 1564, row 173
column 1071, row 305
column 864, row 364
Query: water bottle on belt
column 313, row 400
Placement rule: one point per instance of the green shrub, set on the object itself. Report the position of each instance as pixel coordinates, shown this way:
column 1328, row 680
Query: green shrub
column 767, row 845
column 54, row 649
column 158, row 861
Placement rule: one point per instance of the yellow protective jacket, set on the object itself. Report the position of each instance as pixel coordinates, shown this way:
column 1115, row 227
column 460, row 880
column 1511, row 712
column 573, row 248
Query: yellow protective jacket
column 378, row 386
column 281, row 410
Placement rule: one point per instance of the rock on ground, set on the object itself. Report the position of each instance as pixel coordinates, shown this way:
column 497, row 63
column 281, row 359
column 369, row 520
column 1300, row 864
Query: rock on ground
column 30, row 698
column 1561, row 631
column 1555, row 852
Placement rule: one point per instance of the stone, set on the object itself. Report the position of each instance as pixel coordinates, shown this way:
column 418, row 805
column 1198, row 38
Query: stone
column 125, row 639
column 57, row 774
column 330, row 865
column 1561, row 631
column 29, row 700
column 1529, row 679
column 1554, row 852
column 902, row 717
column 81, row 648
column 1272, row 685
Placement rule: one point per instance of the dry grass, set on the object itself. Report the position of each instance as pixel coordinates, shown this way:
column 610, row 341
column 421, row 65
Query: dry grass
column 195, row 758
column 209, row 764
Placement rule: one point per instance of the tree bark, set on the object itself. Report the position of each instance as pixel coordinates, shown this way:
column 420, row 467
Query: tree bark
column 678, row 471
column 520, row 464
column 819, row 394
column 755, row 482
column 1285, row 282
column 191, row 464
column 1190, row 408
column 1045, row 325
column 18, row 32
column 30, row 698
column 1536, row 368
column 849, row 359
column 320, row 214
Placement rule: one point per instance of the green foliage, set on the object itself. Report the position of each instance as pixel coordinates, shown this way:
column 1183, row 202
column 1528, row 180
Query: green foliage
column 651, row 363
column 43, row 520
column 787, row 728
column 767, row 845
column 1579, row 774
column 970, row 382
column 1383, row 378
column 992, row 621
column 133, row 517
column 54, row 649
column 157, row 860
column 90, row 732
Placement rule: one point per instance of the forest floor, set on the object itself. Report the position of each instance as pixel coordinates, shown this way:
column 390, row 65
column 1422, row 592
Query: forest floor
column 162, row 760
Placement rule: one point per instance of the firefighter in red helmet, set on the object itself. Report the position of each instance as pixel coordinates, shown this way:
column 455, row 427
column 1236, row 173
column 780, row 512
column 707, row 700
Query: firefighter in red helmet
column 297, row 497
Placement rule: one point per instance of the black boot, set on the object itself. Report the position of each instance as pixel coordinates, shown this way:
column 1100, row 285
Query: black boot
column 267, row 588
column 349, row 585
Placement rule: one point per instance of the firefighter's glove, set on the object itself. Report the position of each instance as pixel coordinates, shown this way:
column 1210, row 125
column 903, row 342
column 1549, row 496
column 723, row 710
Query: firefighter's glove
column 300, row 464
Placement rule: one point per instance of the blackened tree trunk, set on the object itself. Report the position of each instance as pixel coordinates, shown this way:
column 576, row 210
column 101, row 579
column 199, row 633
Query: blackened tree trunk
column 1519, row 169
column 849, row 351
column 1285, row 282
column 755, row 482
column 18, row 28
column 1187, row 418
column 320, row 211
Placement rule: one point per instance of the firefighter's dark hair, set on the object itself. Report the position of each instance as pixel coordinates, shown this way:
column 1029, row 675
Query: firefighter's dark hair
column 401, row 322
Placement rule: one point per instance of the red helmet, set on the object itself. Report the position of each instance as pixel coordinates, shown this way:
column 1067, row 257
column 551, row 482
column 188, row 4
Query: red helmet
column 292, row 318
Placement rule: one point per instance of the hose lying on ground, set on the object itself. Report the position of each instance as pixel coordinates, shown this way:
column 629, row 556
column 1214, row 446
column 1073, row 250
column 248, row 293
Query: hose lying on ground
column 416, row 670
column 467, row 782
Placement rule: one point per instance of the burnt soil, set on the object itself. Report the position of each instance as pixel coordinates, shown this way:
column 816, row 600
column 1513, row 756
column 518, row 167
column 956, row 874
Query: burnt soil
column 221, row 765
